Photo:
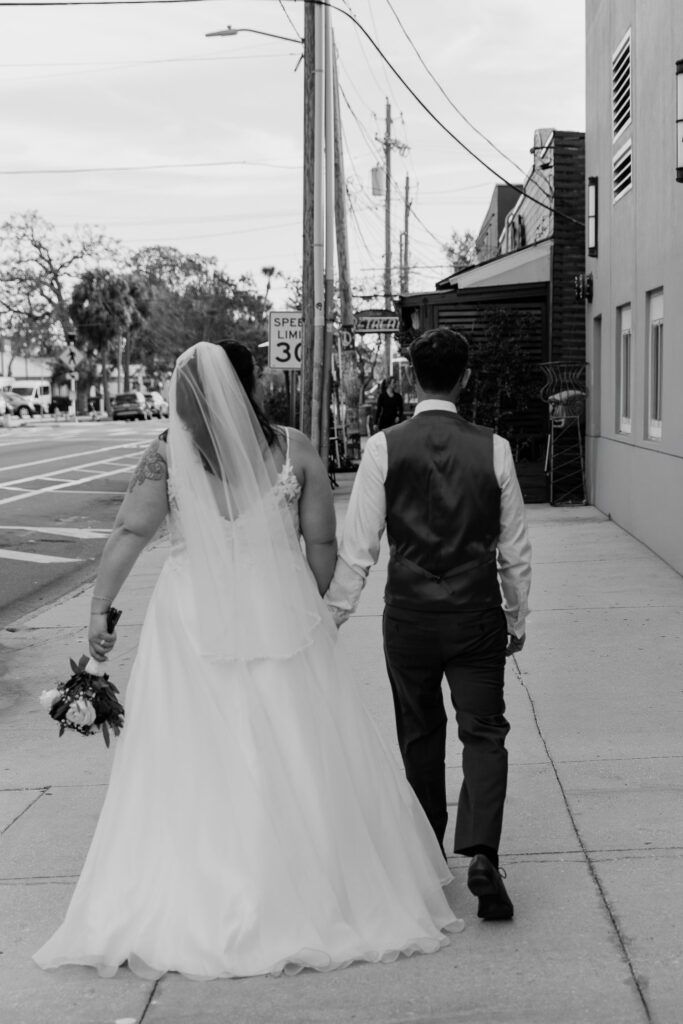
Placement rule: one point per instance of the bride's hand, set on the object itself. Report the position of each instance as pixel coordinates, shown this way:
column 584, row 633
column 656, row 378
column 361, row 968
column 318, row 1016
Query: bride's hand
column 99, row 640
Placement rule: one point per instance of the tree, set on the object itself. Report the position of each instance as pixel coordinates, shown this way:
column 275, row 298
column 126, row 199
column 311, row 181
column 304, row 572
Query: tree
column 191, row 300
column 102, row 308
column 460, row 250
column 38, row 269
column 505, row 379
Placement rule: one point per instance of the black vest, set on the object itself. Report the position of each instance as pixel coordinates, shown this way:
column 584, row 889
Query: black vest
column 443, row 514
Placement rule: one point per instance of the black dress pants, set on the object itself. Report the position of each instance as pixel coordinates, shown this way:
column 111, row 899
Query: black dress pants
column 468, row 647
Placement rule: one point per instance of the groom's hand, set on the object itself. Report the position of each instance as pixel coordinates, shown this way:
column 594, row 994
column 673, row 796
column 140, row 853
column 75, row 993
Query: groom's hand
column 515, row 644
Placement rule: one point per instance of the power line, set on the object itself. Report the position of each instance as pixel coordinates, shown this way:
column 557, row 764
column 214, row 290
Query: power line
column 153, row 167
column 445, row 94
column 516, row 188
column 287, row 16
column 322, row 3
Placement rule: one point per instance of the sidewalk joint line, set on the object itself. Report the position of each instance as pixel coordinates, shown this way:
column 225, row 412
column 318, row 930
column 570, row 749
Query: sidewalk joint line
column 585, row 851
column 149, row 1001
column 23, row 812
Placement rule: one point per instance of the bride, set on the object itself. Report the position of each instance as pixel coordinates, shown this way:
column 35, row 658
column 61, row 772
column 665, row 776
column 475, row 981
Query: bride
column 254, row 823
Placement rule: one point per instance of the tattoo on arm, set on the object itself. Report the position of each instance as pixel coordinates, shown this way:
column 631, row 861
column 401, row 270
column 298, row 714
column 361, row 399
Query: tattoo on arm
column 152, row 466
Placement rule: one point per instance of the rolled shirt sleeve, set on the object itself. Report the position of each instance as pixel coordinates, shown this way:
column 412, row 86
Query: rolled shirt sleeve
column 514, row 547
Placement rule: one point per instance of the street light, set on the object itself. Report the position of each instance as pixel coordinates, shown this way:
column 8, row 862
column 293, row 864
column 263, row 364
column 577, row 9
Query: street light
column 317, row 77
column 230, row 31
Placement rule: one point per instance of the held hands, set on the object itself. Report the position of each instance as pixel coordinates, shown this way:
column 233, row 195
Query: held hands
column 515, row 644
column 100, row 640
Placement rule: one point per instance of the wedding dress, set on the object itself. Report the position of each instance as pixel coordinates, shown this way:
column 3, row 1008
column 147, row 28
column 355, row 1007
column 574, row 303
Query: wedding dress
column 254, row 822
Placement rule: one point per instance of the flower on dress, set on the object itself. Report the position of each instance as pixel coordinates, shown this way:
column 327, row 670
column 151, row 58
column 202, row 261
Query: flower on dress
column 290, row 488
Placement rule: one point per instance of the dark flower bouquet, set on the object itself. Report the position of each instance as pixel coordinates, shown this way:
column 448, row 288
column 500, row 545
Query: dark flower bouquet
column 88, row 701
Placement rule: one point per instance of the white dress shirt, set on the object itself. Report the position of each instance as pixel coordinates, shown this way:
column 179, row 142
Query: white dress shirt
column 366, row 520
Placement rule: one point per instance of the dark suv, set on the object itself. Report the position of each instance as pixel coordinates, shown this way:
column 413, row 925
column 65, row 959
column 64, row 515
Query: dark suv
column 131, row 405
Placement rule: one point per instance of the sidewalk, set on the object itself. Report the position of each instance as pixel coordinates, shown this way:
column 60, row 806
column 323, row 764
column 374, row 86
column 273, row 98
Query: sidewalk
column 593, row 836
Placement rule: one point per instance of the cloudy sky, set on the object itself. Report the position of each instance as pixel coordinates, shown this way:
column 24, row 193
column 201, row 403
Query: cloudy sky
column 129, row 117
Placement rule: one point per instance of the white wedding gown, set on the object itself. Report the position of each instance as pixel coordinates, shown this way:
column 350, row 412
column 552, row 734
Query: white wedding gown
column 254, row 822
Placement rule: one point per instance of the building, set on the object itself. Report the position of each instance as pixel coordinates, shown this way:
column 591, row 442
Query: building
column 540, row 252
column 487, row 242
column 634, row 263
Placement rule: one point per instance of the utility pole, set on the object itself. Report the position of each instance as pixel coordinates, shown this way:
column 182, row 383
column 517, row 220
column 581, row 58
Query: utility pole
column 346, row 354
column 405, row 268
column 329, row 244
column 388, row 144
column 318, row 231
column 388, row 302
column 307, row 289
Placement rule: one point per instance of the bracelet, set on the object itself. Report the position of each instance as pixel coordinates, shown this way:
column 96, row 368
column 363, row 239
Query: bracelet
column 106, row 601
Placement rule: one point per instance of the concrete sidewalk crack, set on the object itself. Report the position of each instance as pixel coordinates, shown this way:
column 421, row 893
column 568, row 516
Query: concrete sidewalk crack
column 149, row 1001
column 21, row 813
column 585, row 851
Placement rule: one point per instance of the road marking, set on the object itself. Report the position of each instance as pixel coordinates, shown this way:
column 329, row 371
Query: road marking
column 60, row 487
column 83, row 466
column 79, row 532
column 22, row 556
column 74, row 455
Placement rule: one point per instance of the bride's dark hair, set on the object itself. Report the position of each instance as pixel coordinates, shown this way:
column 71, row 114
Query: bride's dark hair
column 245, row 367
column 190, row 402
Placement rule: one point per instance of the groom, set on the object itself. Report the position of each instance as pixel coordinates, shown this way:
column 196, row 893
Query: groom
column 447, row 493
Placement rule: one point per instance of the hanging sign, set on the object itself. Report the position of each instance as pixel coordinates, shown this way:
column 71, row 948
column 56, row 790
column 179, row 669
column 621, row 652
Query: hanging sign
column 376, row 321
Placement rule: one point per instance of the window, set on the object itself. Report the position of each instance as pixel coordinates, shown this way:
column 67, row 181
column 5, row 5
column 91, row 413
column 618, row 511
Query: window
column 654, row 368
column 622, row 177
column 621, row 86
column 592, row 220
column 624, row 360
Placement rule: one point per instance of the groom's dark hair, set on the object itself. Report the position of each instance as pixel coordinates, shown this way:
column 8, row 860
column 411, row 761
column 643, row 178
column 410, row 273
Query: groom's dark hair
column 439, row 358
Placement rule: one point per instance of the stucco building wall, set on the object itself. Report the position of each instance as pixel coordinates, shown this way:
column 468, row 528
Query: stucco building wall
column 637, row 479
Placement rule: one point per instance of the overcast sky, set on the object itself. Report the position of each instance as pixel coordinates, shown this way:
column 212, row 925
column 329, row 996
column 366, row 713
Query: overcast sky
column 141, row 87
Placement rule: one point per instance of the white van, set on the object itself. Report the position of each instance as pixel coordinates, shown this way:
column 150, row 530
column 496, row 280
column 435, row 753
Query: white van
column 37, row 392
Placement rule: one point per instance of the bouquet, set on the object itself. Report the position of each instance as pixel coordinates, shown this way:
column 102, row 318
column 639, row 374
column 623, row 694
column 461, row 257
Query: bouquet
column 88, row 701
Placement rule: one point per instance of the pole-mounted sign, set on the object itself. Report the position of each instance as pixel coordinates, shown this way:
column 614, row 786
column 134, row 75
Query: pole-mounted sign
column 376, row 321
column 285, row 331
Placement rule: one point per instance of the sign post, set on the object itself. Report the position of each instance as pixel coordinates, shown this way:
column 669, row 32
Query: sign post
column 71, row 357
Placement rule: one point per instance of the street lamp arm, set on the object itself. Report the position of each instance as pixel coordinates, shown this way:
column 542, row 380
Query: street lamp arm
column 229, row 31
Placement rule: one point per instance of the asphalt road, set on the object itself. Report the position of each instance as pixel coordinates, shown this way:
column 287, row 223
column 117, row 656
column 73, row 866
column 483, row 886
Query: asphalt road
column 60, row 486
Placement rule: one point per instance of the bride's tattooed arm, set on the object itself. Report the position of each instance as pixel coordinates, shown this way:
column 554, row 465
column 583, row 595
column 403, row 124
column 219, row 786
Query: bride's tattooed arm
column 152, row 466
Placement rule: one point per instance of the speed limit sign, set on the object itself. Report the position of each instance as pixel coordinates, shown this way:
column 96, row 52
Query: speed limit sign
column 284, row 340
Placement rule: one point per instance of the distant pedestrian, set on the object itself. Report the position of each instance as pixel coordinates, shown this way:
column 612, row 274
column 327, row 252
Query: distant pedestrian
column 447, row 493
column 389, row 406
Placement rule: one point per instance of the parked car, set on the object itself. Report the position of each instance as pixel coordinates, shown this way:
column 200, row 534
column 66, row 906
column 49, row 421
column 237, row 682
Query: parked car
column 131, row 405
column 18, row 405
column 38, row 393
column 156, row 403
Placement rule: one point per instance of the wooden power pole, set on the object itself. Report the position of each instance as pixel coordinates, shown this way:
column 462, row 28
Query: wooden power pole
column 388, row 301
column 307, row 289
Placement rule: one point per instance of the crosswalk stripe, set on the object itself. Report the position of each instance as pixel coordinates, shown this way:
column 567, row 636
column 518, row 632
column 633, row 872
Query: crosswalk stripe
column 74, row 455
column 24, row 556
column 76, row 532
column 114, row 471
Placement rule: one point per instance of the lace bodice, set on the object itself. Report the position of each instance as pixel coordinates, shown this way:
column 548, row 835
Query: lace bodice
column 289, row 487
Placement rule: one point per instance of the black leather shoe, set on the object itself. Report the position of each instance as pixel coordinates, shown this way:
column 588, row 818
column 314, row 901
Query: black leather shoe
column 486, row 882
